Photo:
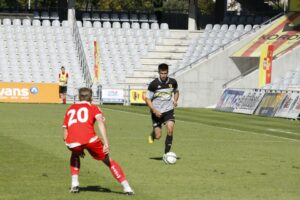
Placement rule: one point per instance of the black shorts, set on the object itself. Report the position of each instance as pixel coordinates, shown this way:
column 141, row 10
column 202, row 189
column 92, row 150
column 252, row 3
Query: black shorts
column 62, row 89
column 166, row 116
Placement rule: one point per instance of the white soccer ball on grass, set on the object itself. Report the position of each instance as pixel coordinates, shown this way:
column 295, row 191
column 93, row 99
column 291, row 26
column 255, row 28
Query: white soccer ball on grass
column 170, row 158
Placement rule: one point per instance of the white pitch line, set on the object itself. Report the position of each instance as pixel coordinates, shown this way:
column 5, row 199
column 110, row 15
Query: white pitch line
column 283, row 131
column 231, row 129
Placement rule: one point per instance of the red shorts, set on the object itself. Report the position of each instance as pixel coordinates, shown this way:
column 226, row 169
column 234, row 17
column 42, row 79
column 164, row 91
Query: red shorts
column 95, row 149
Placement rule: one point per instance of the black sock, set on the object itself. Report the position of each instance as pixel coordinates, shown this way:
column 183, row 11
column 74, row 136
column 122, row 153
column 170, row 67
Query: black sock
column 168, row 143
column 153, row 134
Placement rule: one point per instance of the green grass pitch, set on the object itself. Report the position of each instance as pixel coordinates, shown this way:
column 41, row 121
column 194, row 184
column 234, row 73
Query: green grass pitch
column 223, row 156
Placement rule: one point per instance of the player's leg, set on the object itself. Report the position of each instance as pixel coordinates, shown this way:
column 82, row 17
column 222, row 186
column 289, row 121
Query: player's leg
column 75, row 168
column 65, row 95
column 170, row 122
column 118, row 174
column 96, row 150
column 156, row 130
column 169, row 137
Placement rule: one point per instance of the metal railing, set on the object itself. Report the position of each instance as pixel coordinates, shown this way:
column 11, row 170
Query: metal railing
column 222, row 47
column 81, row 54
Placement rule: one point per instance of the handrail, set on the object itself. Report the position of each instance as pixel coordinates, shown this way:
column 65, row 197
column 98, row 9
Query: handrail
column 81, row 54
column 189, row 66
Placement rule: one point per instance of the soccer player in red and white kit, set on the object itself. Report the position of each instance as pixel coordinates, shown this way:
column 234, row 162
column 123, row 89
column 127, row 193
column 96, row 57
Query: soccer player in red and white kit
column 79, row 134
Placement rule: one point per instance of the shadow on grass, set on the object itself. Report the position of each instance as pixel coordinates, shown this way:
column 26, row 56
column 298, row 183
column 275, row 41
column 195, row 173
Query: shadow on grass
column 160, row 158
column 97, row 188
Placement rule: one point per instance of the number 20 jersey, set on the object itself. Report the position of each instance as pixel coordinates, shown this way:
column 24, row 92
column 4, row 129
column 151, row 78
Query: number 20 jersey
column 79, row 121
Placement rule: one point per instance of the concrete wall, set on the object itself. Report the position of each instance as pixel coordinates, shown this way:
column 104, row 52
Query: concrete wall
column 202, row 84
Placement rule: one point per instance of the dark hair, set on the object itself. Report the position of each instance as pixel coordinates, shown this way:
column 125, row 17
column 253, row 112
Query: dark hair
column 62, row 67
column 163, row 67
column 85, row 94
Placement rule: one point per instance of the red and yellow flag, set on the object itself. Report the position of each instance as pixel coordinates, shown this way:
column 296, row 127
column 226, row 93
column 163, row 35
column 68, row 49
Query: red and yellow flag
column 265, row 65
column 97, row 62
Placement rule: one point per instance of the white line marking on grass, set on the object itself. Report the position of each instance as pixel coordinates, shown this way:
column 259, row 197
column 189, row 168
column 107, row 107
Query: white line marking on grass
column 231, row 129
column 274, row 136
column 283, row 131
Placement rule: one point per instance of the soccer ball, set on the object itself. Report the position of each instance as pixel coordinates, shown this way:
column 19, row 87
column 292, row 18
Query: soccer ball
column 170, row 158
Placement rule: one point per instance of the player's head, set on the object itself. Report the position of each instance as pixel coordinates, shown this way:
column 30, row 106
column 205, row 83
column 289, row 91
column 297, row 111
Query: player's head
column 163, row 70
column 62, row 69
column 85, row 94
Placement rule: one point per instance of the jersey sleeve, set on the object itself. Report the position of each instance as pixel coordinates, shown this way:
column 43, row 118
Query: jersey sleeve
column 151, row 90
column 175, row 86
column 96, row 111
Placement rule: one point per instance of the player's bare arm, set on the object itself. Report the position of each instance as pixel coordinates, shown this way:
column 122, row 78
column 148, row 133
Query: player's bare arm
column 103, row 133
column 176, row 97
column 65, row 133
column 150, row 105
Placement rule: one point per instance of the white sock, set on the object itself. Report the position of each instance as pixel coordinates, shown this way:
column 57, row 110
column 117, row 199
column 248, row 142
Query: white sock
column 75, row 181
column 126, row 186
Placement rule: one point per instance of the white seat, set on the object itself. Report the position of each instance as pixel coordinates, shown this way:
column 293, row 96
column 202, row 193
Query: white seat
column 46, row 22
column 106, row 25
column 145, row 26
column 87, row 24
column 97, row 24
column 154, row 26
column 79, row 24
column 126, row 25
column 17, row 22
column 36, row 22
column 56, row 23
column 135, row 25
column 65, row 23
column 164, row 26
column 116, row 25
column 6, row 22
column 26, row 22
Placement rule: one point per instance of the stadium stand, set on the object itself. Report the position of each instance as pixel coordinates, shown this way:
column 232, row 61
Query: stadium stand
column 34, row 53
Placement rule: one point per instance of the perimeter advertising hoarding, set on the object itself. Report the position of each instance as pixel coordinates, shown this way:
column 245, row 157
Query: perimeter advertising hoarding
column 112, row 96
column 29, row 93
column 229, row 100
column 137, row 96
column 249, row 101
column 269, row 104
column 290, row 106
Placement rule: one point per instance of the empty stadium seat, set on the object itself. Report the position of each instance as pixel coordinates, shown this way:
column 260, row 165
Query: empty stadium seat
column 54, row 15
column 133, row 17
column 104, row 17
column 124, row 17
column 44, row 15
column 97, row 24
column 17, row 22
column 56, row 23
column 95, row 17
column 86, row 16
column 6, row 22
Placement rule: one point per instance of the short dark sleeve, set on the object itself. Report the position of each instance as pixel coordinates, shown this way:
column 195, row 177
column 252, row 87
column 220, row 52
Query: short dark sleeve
column 151, row 86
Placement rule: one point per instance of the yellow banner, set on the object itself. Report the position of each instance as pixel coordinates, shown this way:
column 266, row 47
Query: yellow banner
column 29, row 93
column 97, row 62
column 262, row 66
column 294, row 5
column 137, row 96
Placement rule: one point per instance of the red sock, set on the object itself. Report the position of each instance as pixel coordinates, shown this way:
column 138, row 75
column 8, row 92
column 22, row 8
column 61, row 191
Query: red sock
column 74, row 164
column 64, row 100
column 117, row 172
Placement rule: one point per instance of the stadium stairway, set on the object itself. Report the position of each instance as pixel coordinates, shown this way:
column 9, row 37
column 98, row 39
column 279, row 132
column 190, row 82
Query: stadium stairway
column 169, row 50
